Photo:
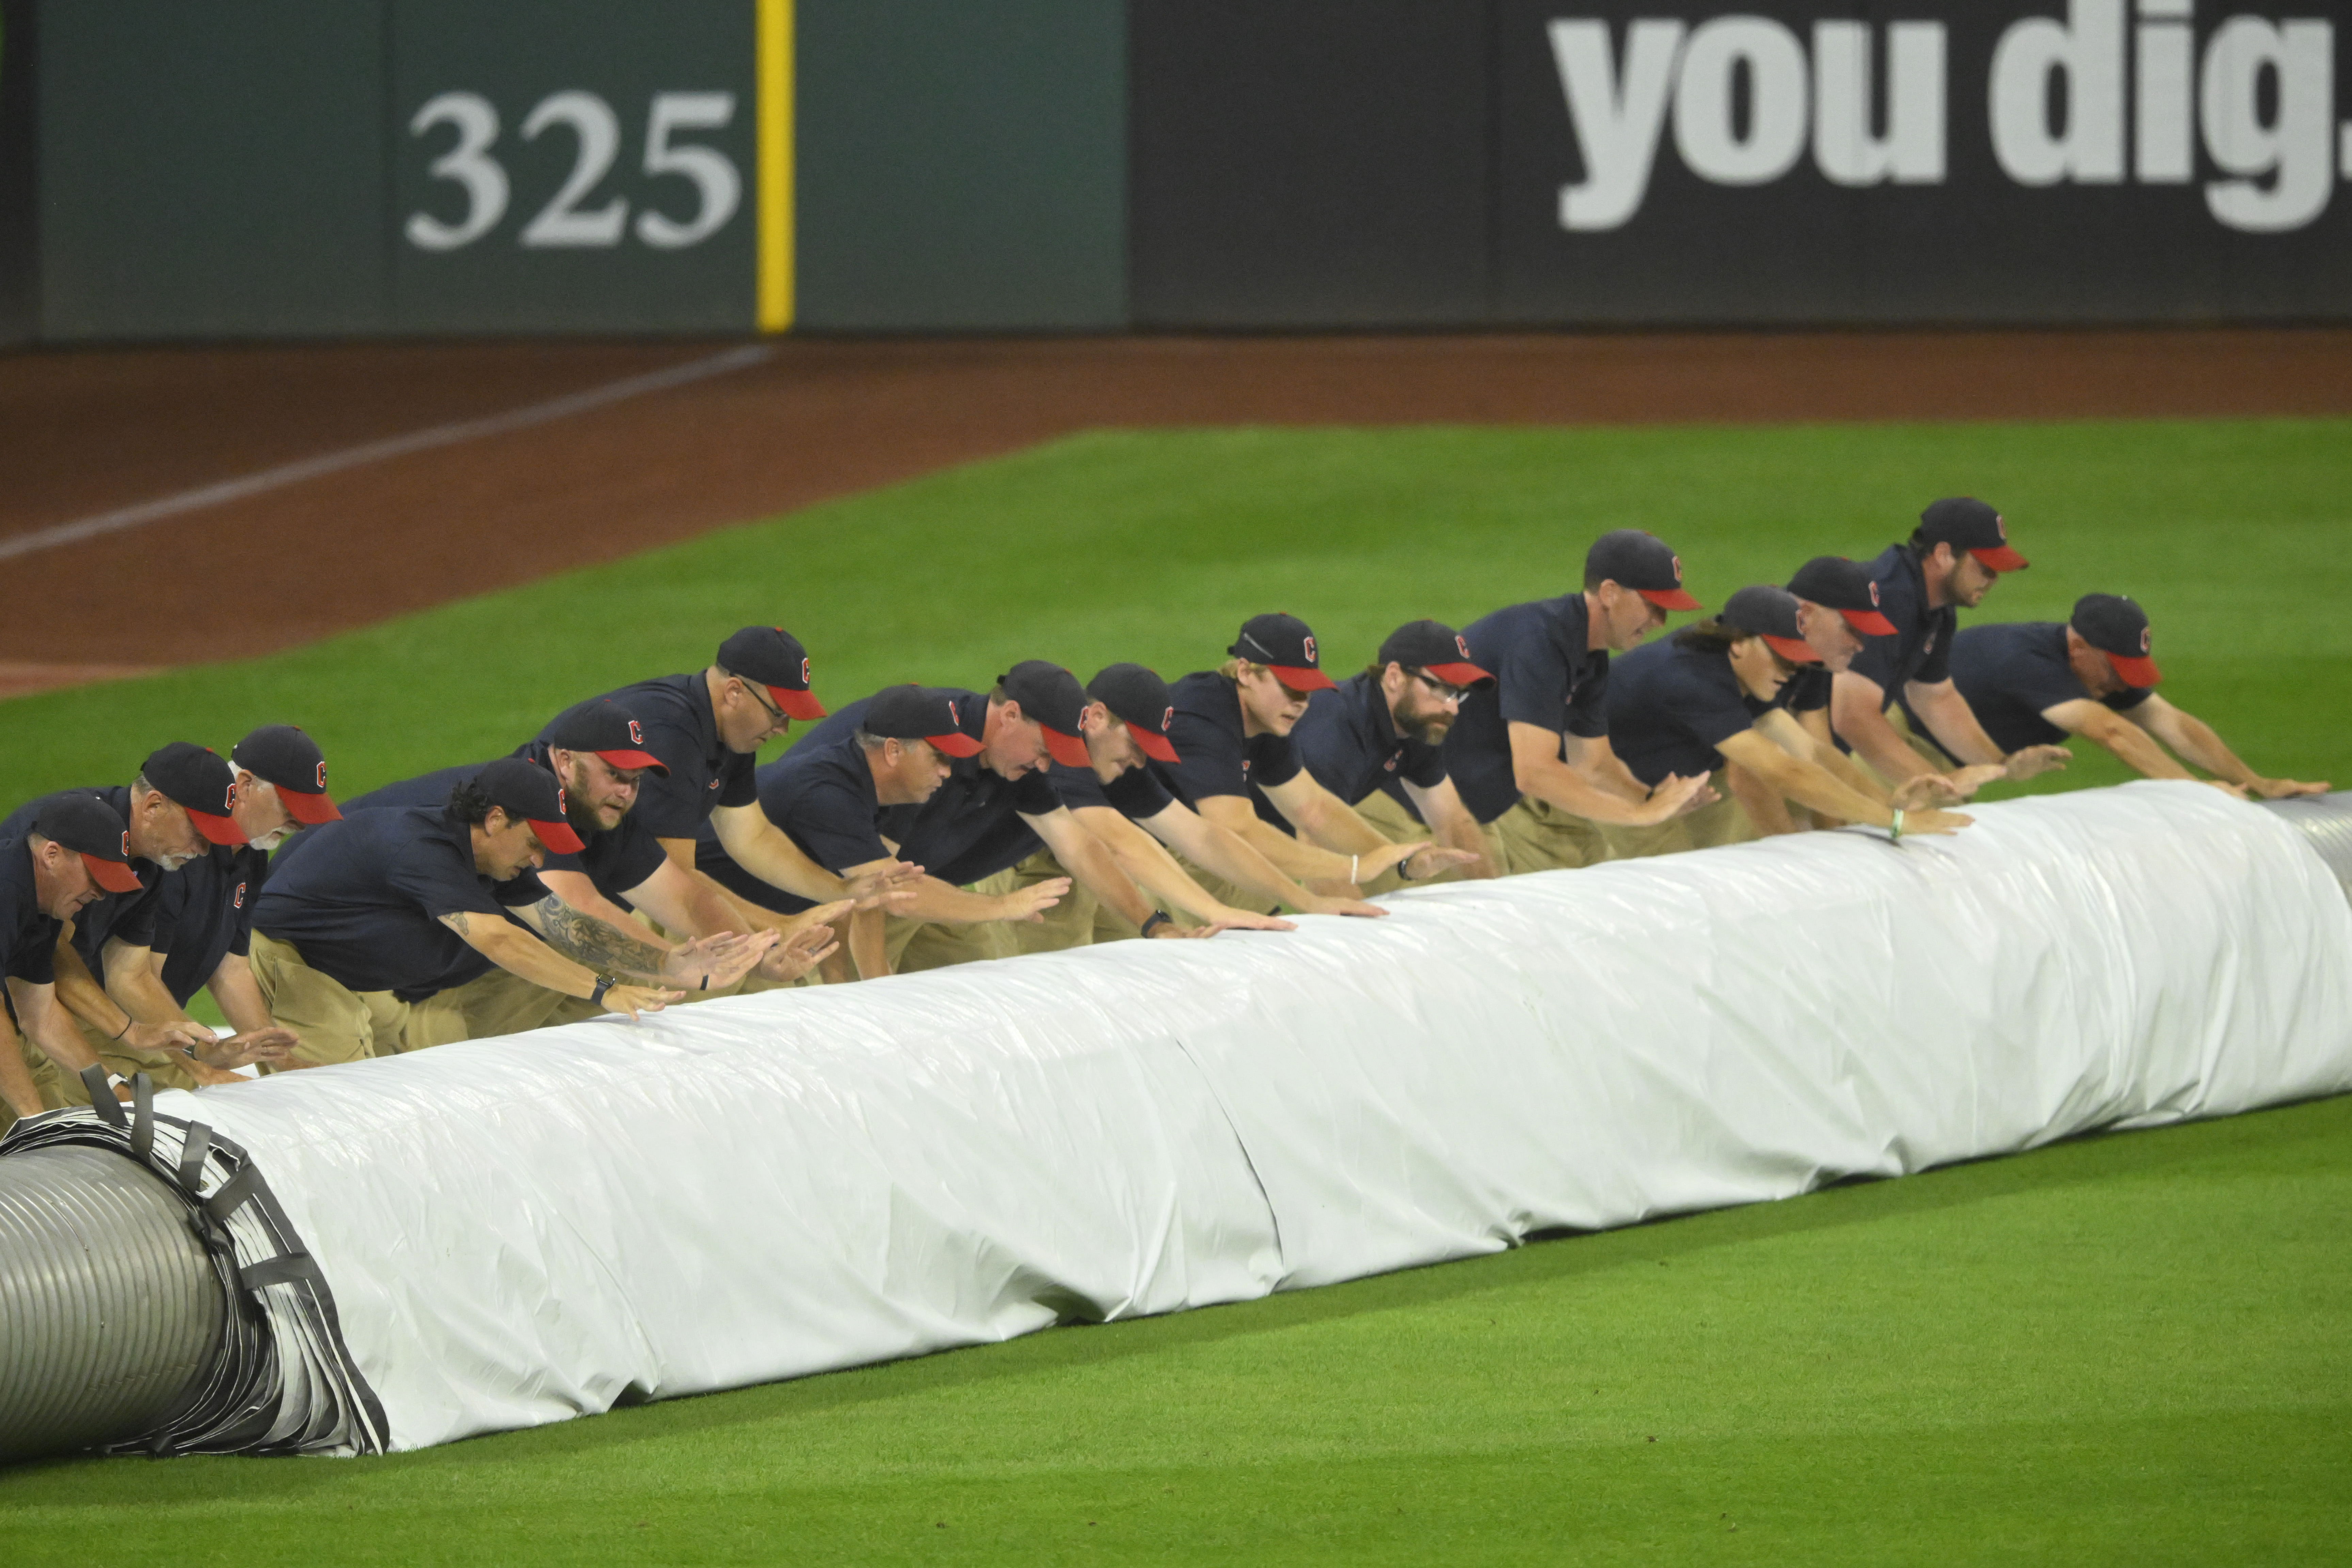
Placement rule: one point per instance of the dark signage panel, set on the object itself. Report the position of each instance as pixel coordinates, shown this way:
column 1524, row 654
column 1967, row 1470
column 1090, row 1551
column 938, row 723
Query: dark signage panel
column 1942, row 160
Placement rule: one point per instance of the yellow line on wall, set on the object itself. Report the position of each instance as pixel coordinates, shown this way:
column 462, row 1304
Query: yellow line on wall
column 775, row 86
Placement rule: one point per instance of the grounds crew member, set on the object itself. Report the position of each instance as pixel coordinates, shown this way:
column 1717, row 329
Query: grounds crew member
column 1232, row 728
column 1119, row 799
column 1529, row 755
column 595, row 750
column 201, row 923
column 373, row 938
column 1707, row 697
column 830, row 793
column 74, row 849
column 1376, row 740
column 2094, row 675
column 1960, row 546
column 707, row 728
column 182, row 802
column 989, row 815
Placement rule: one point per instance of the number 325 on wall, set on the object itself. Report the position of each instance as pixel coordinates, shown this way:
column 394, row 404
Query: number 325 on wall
column 563, row 222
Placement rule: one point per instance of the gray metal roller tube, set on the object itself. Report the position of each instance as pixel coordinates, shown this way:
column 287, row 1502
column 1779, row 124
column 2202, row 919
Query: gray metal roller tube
column 110, row 1312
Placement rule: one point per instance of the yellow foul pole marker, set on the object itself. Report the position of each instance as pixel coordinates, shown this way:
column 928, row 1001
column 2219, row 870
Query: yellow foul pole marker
column 775, row 132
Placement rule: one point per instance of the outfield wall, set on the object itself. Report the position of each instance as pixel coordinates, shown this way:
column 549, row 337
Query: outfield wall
column 275, row 168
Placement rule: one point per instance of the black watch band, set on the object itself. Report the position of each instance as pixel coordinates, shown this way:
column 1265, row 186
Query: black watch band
column 603, row 983
column 1158, row 918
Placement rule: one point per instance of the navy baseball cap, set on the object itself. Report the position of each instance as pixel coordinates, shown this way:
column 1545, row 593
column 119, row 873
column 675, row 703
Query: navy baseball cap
column 1284, row 646
column 1846, row 586
column 1642, row 562
column 1051, row 698
column 2118, row 628
column 281, row 756
column 1967, row 523
column 201, row 783
column 932, row 713
column 94, row 830
column 602, row 726
column 1139, row 699
column 525, row 790
column 775, row 657
column 1437, row 647
column 1771, row 614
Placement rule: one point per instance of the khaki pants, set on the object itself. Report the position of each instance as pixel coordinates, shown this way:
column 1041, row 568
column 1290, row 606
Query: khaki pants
column 1934, row 754
column 1537, row 836
column 339, row 1025
column 1725, row 822
column 1076, row 922
column 916, row 945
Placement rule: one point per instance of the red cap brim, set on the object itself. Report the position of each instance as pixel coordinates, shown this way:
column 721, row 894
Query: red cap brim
column 797, row 704
column 2000, row 558
column 2136, row 672
column 636, row 761
column 558, row 836
column 1301, row 680
column 954, row 743
column 1794, row 649
column 1155, row 744
column 1869, row 623
column 218, row 829
column 1670, row 598
column 1458, row 674
column 308, row 809
column 112, row 875
column 1069, row 751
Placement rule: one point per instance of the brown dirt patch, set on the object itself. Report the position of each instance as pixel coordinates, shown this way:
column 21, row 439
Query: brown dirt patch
column 91, row 431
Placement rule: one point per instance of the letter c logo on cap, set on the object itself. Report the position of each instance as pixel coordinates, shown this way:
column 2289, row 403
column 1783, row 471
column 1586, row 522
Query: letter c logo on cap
column 237, row 900
column 1167, row 718
column 322, row 774
column 1873, row 593
column 560, row 808
column 1461, row 643
column 1310, row 650
column 126, row 844
column 637, row 735
column 804, row 670
column 2143, row 641
column 1678, row 570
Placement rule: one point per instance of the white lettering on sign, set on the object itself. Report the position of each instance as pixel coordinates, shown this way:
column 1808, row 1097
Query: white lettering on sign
column 564, row 222
column 1746, row 97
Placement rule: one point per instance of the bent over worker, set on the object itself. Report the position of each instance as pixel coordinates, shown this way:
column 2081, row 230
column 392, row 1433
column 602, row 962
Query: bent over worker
column 74, row 850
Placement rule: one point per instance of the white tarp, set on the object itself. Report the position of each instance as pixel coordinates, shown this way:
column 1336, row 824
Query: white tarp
column 520, row 1230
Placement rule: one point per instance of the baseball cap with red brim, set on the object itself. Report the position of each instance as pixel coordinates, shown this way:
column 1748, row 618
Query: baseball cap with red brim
column 201, row 783
column 94, row 830
column 525, row 790
column 282, row 756
column 1967, row 523
column 1642, row 562
column 932, row 713
column 1051, row 699
column 774, row 658
column 1283, row 645
column 1437, row 647
column 1139, row 699
column 1837, row 584
column 1769, row 612
column 608, row 729
column 2117, row 628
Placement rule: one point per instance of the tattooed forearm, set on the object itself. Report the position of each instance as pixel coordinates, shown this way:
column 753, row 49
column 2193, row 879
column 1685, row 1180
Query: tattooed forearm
column 585, row 939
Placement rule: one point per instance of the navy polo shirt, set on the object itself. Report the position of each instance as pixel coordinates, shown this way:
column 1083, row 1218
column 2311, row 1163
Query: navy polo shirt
column 1671, row 704
column 681, row 730
column 2010, row 672
column 1135, row 794
column 29, row 938
column 1544, row 675
column 1219, row 758
column 125, row 915
column 203, row 913
column 1807, row 691
column 1921, row 648
column 819, row 794
column 615, row 861
column 1348, row 740
column 363, row 902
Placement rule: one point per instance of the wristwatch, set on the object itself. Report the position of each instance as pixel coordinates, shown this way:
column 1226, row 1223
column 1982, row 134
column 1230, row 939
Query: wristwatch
column 603, row 983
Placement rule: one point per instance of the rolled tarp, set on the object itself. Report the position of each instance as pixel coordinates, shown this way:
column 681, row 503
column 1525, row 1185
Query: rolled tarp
column 510, row 1232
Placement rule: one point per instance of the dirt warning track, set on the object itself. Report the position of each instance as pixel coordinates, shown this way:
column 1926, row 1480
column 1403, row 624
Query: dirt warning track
column 166, row 506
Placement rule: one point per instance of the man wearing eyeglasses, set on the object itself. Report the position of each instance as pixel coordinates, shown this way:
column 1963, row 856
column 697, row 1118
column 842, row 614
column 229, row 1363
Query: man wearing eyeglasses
column 1233, row 728
column 1376, row 740
column 708, row 729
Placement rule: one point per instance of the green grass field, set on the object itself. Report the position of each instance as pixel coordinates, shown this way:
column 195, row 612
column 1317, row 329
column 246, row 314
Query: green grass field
column 2135, row 1348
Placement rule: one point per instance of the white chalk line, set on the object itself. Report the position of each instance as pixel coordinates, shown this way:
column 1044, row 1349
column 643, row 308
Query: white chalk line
column 392, row 447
